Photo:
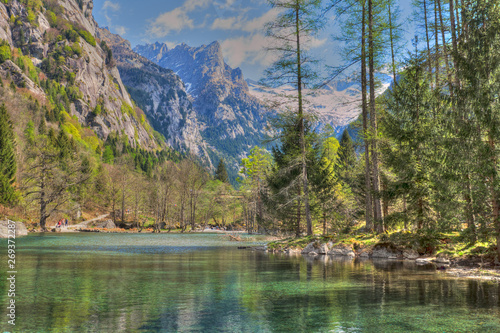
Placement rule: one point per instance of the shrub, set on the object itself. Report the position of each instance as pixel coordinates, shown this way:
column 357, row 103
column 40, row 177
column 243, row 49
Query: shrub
column 5, row 53
column 87, row 36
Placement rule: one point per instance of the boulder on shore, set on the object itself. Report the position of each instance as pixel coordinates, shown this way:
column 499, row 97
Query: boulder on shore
column 410, row 254
column 316, row 247
column 20, row 229
column 109, row 224
column 342, row 250
column 385, row 251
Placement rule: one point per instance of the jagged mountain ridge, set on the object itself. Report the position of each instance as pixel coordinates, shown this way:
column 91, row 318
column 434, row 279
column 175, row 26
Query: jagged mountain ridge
column 232, row 121
column 336, row 104
column 161, row 94
column 60, row 41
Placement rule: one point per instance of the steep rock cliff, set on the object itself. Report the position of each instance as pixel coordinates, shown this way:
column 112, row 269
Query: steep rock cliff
column 58, row 36
column 161, row 94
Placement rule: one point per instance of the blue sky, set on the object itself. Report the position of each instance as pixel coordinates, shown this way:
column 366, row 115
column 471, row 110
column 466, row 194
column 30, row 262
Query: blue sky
column 236, row 24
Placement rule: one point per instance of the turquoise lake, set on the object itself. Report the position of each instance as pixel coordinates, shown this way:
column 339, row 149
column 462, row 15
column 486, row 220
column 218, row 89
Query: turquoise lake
column 203, row 283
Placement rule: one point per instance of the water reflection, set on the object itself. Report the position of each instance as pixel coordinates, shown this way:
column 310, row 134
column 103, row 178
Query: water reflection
column 171, row 286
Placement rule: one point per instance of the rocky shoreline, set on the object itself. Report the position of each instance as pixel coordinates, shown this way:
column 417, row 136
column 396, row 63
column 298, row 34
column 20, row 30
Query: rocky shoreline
column 472, row 268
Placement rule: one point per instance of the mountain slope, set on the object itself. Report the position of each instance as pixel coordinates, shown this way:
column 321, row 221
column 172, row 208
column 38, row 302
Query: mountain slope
column 232, row 120
column 161, row 94
column 336, row 104
column 74, row 74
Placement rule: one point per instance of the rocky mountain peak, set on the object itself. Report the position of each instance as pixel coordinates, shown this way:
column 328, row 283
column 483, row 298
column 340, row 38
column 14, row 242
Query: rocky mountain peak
column 232, row 120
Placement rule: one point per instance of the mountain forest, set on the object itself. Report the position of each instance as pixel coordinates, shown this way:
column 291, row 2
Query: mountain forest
column 90, row 126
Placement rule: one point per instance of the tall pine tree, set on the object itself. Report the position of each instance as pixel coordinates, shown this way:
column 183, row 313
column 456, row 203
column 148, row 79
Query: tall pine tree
column 221, row 172
column 8, row 164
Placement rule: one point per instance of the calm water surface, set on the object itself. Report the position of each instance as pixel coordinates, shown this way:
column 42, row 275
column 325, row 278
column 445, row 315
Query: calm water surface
column 203, row 283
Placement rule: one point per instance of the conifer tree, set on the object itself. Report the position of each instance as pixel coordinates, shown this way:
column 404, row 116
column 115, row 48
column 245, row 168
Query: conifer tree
column 408, row 123
column 297, row 22
column 477, row 83
column 8, row 164
column 221, row 172
column 347, row 153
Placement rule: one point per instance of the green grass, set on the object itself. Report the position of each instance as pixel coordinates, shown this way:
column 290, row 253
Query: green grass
column 426, row 242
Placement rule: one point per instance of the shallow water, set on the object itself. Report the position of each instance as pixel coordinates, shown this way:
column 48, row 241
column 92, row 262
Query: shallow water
column 203, row 283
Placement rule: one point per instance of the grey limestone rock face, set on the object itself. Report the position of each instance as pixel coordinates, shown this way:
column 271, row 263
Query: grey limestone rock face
column 97, row 79
column 8, row 68
column 161, row 94
column 230, row 115
column 20, row 229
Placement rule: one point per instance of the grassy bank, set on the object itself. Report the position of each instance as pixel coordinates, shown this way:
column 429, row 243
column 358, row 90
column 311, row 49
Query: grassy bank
column 452, row 245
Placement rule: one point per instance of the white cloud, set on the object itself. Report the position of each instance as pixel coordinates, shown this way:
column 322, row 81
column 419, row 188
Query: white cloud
column 176, row 19
column 120, row 30
column 249, row 49
column 259, row 22
column 224, row 24
column 313, row 42
column 114, row 6
column 243, row 24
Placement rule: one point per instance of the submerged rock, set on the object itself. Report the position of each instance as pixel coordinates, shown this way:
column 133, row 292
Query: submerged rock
column 20, row 229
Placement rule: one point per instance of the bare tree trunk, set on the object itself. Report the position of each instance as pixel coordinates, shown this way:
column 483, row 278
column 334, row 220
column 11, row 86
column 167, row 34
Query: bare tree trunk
column 469, row 211
column 324, row 223
column 445, row 48
column 373, row 120
column 301, row 120
column 297, row 232
column 368, row 208
column 437, row 42
column 393, row 57
column 454, row 39
column 43, row 206
column 495, row 204
column 427, row 38
column 123, row 206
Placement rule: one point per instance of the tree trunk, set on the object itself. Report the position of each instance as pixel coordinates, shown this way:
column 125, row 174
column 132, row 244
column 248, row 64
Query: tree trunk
column 385, row 201
column 297, row 231
column 469, row 210
column 43, row 206
column 445, row 48
column 427, row 38
column 436, row 53
column 454, row 40
column 495, row 204
column 324, row 223
column 123, row 206
column 393, row 57
column 373, row 120
column 301, row 120
column 368, row 187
